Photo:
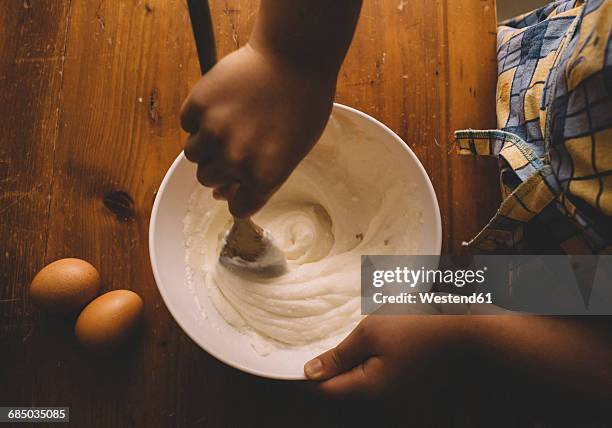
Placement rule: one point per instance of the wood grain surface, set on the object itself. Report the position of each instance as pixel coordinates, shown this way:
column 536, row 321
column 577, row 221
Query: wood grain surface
column 89, row 98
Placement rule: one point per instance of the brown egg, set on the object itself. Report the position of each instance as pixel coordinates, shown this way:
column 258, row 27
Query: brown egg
column 109, row 320
column 65, row 286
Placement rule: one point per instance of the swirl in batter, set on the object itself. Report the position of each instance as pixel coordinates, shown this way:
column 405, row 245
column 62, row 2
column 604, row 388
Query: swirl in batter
column 344, row 200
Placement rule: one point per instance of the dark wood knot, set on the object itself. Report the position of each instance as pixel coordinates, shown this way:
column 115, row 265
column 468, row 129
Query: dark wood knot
column 121, row 204
column 154, row 113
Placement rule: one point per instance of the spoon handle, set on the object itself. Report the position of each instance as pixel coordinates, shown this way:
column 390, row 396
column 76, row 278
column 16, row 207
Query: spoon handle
column 201, row 24
column 246, row 226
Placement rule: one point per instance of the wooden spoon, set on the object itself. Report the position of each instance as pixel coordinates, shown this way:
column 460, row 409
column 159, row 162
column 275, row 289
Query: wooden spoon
column 247, row 247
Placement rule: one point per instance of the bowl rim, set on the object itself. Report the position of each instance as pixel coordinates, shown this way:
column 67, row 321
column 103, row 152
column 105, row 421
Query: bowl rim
column 153, row 254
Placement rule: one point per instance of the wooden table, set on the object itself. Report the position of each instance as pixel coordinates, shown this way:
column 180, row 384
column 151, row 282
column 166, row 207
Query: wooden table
column 90, row 92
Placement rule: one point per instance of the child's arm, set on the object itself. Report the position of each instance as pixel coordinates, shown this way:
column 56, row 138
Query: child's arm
column 260, row 110
column 384, row 353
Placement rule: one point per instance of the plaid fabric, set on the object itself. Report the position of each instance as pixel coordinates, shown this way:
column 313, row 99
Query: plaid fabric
column 554, row 143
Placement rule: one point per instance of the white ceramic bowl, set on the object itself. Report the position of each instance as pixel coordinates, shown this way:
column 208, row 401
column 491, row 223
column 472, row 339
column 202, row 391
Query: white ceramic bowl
column 212, row 333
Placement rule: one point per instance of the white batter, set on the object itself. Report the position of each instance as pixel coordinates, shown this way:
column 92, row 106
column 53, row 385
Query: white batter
column 344, row 200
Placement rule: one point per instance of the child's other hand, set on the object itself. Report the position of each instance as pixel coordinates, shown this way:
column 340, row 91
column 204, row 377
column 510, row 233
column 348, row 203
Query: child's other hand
column 383, row 354
column 252, row 119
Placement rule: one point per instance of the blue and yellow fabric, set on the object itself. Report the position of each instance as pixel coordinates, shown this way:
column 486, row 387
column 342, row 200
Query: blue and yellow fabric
column 554, row 111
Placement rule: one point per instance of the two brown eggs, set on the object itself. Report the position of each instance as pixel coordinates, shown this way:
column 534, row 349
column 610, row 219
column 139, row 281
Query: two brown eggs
column 68, row 286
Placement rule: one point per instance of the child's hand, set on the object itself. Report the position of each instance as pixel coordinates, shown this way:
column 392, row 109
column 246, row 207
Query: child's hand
column 384, row 353
column 253, row 118
column 410, row 352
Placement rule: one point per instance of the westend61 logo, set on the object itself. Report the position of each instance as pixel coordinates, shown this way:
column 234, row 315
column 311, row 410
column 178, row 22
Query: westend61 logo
column 534, row 284
column 405, row 285
column 413, row 278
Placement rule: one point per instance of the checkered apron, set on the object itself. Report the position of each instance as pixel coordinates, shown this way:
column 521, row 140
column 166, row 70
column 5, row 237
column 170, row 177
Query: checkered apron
column 554, row 142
